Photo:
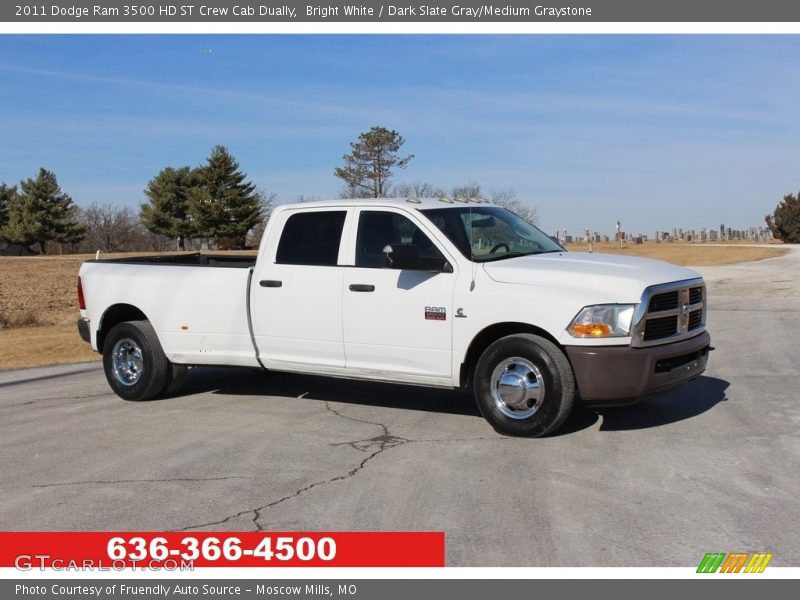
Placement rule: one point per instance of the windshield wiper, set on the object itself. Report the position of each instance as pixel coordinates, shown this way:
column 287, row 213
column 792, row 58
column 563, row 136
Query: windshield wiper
column 503, row 256
column 512, row 255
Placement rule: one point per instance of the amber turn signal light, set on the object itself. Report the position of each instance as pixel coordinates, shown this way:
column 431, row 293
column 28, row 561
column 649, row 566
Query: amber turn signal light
column 590, row 330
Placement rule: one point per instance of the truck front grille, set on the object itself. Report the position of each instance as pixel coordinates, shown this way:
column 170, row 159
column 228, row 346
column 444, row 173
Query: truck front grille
column 673, row 312
column 660, row 327
column 665, row 301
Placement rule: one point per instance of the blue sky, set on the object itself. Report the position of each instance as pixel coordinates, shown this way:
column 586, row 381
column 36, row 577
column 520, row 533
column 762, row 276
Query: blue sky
column 658, row 131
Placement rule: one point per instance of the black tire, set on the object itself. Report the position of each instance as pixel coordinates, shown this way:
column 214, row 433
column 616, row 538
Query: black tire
column 176, row 377
column 550, row 408
column 149, row 378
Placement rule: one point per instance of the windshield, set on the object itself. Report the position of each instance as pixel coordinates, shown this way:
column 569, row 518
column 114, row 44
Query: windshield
column 485, row 233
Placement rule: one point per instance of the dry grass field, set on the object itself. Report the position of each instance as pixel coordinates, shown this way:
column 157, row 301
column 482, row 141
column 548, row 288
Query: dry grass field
column 39, row 309
column 698, row 255
column 38, row 301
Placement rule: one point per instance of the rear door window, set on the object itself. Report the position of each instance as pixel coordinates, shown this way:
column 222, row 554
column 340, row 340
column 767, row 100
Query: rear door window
column 311, row 238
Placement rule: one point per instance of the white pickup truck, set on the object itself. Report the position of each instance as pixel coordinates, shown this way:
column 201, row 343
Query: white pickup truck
column 430, row 292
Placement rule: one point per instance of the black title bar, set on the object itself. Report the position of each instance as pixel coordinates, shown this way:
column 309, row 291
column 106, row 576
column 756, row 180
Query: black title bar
column 432, row 11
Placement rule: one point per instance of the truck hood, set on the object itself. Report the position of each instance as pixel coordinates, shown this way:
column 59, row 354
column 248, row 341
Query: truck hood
column 610, row 277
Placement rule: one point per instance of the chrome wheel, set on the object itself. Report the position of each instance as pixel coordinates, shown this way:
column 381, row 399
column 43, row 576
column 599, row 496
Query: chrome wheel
column 127, row 362
column 517, row 388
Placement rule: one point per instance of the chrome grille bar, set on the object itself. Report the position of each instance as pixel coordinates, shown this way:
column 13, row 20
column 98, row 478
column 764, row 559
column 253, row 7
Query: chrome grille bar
column 687, row 292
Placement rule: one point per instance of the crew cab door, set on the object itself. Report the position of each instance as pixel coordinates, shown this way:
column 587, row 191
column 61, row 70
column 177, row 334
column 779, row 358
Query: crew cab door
column 296, row 298
column 397, row 322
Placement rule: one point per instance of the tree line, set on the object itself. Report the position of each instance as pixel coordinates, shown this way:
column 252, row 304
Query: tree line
column 216, row 205
column 213, row 204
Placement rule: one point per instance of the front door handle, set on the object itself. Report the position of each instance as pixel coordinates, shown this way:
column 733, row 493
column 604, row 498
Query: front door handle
column 270, row 283
column 361, row 287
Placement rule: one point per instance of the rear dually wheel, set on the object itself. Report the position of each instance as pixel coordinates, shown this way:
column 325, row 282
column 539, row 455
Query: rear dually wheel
column 134, row 363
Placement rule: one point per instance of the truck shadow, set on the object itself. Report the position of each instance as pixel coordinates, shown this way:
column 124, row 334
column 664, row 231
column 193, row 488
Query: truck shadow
column 688, row 401
column 691, row 400
column 313, row 387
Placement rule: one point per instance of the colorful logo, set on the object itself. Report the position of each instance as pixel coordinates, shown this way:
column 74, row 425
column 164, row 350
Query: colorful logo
column 735, row 562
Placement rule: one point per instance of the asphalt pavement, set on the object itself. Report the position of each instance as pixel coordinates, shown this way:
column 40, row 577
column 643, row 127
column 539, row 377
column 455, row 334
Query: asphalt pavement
column 714, row 466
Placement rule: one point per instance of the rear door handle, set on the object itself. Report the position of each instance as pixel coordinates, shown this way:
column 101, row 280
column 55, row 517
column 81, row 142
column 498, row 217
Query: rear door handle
column 270, row 283
column 361, row 287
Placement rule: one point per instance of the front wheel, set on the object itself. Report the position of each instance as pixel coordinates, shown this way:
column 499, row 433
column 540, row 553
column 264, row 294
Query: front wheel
column 524, row 385
column 135, row 364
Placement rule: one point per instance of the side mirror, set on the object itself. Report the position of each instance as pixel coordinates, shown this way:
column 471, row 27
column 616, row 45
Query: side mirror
column 406, row 256
column 397, row 256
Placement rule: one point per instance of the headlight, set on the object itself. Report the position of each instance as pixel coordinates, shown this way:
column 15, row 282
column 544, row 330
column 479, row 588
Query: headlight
column 603, row 320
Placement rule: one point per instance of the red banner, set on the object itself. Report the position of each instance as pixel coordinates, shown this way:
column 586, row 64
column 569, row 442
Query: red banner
column 175, row 551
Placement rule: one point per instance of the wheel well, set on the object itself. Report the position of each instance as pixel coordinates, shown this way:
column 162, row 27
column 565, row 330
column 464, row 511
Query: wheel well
column 118, row 313
column 488, row 336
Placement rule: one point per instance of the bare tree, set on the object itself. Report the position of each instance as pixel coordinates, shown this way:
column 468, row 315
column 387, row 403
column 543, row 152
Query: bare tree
column 303, row 198
column 467, row 191
column 256, row 234
column 507, row 198
column 111, row 228
column 417, row 189
column 352, row 190
column 268, row 201
column 157, row 242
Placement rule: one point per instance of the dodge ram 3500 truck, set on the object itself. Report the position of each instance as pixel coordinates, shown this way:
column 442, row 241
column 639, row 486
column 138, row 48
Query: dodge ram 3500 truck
column 431, row 292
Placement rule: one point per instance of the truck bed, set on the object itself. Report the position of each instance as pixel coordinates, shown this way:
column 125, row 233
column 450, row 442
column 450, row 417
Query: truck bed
column 198, row 305
column 194, row 259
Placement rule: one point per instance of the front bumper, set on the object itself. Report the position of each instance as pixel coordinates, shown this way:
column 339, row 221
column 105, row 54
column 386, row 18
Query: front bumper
column 621, row 375
column 84, row 331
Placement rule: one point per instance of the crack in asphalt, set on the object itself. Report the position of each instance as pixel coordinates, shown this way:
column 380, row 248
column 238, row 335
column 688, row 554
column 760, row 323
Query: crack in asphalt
column 86, row 397
column 379, row 443
column 70, row 373
column 383, row 442
column 115, row 481
column 29, row 402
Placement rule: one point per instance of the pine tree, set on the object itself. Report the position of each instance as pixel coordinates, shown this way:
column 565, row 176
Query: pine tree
column 368, row 167
column 40, row 213
column 167, row 211
column 6, row 195
column 223, row 204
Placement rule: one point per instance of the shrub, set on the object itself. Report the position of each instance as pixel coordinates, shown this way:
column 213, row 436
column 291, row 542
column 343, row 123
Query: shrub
column 785, row 221
column 18, row 320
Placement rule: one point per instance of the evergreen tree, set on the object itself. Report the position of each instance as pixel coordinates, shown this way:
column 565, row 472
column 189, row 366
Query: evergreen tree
column 6, row 195
column 167, row 209
column 785, row 221
column 40, row 213
column 368, row 167
column 223, row 204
